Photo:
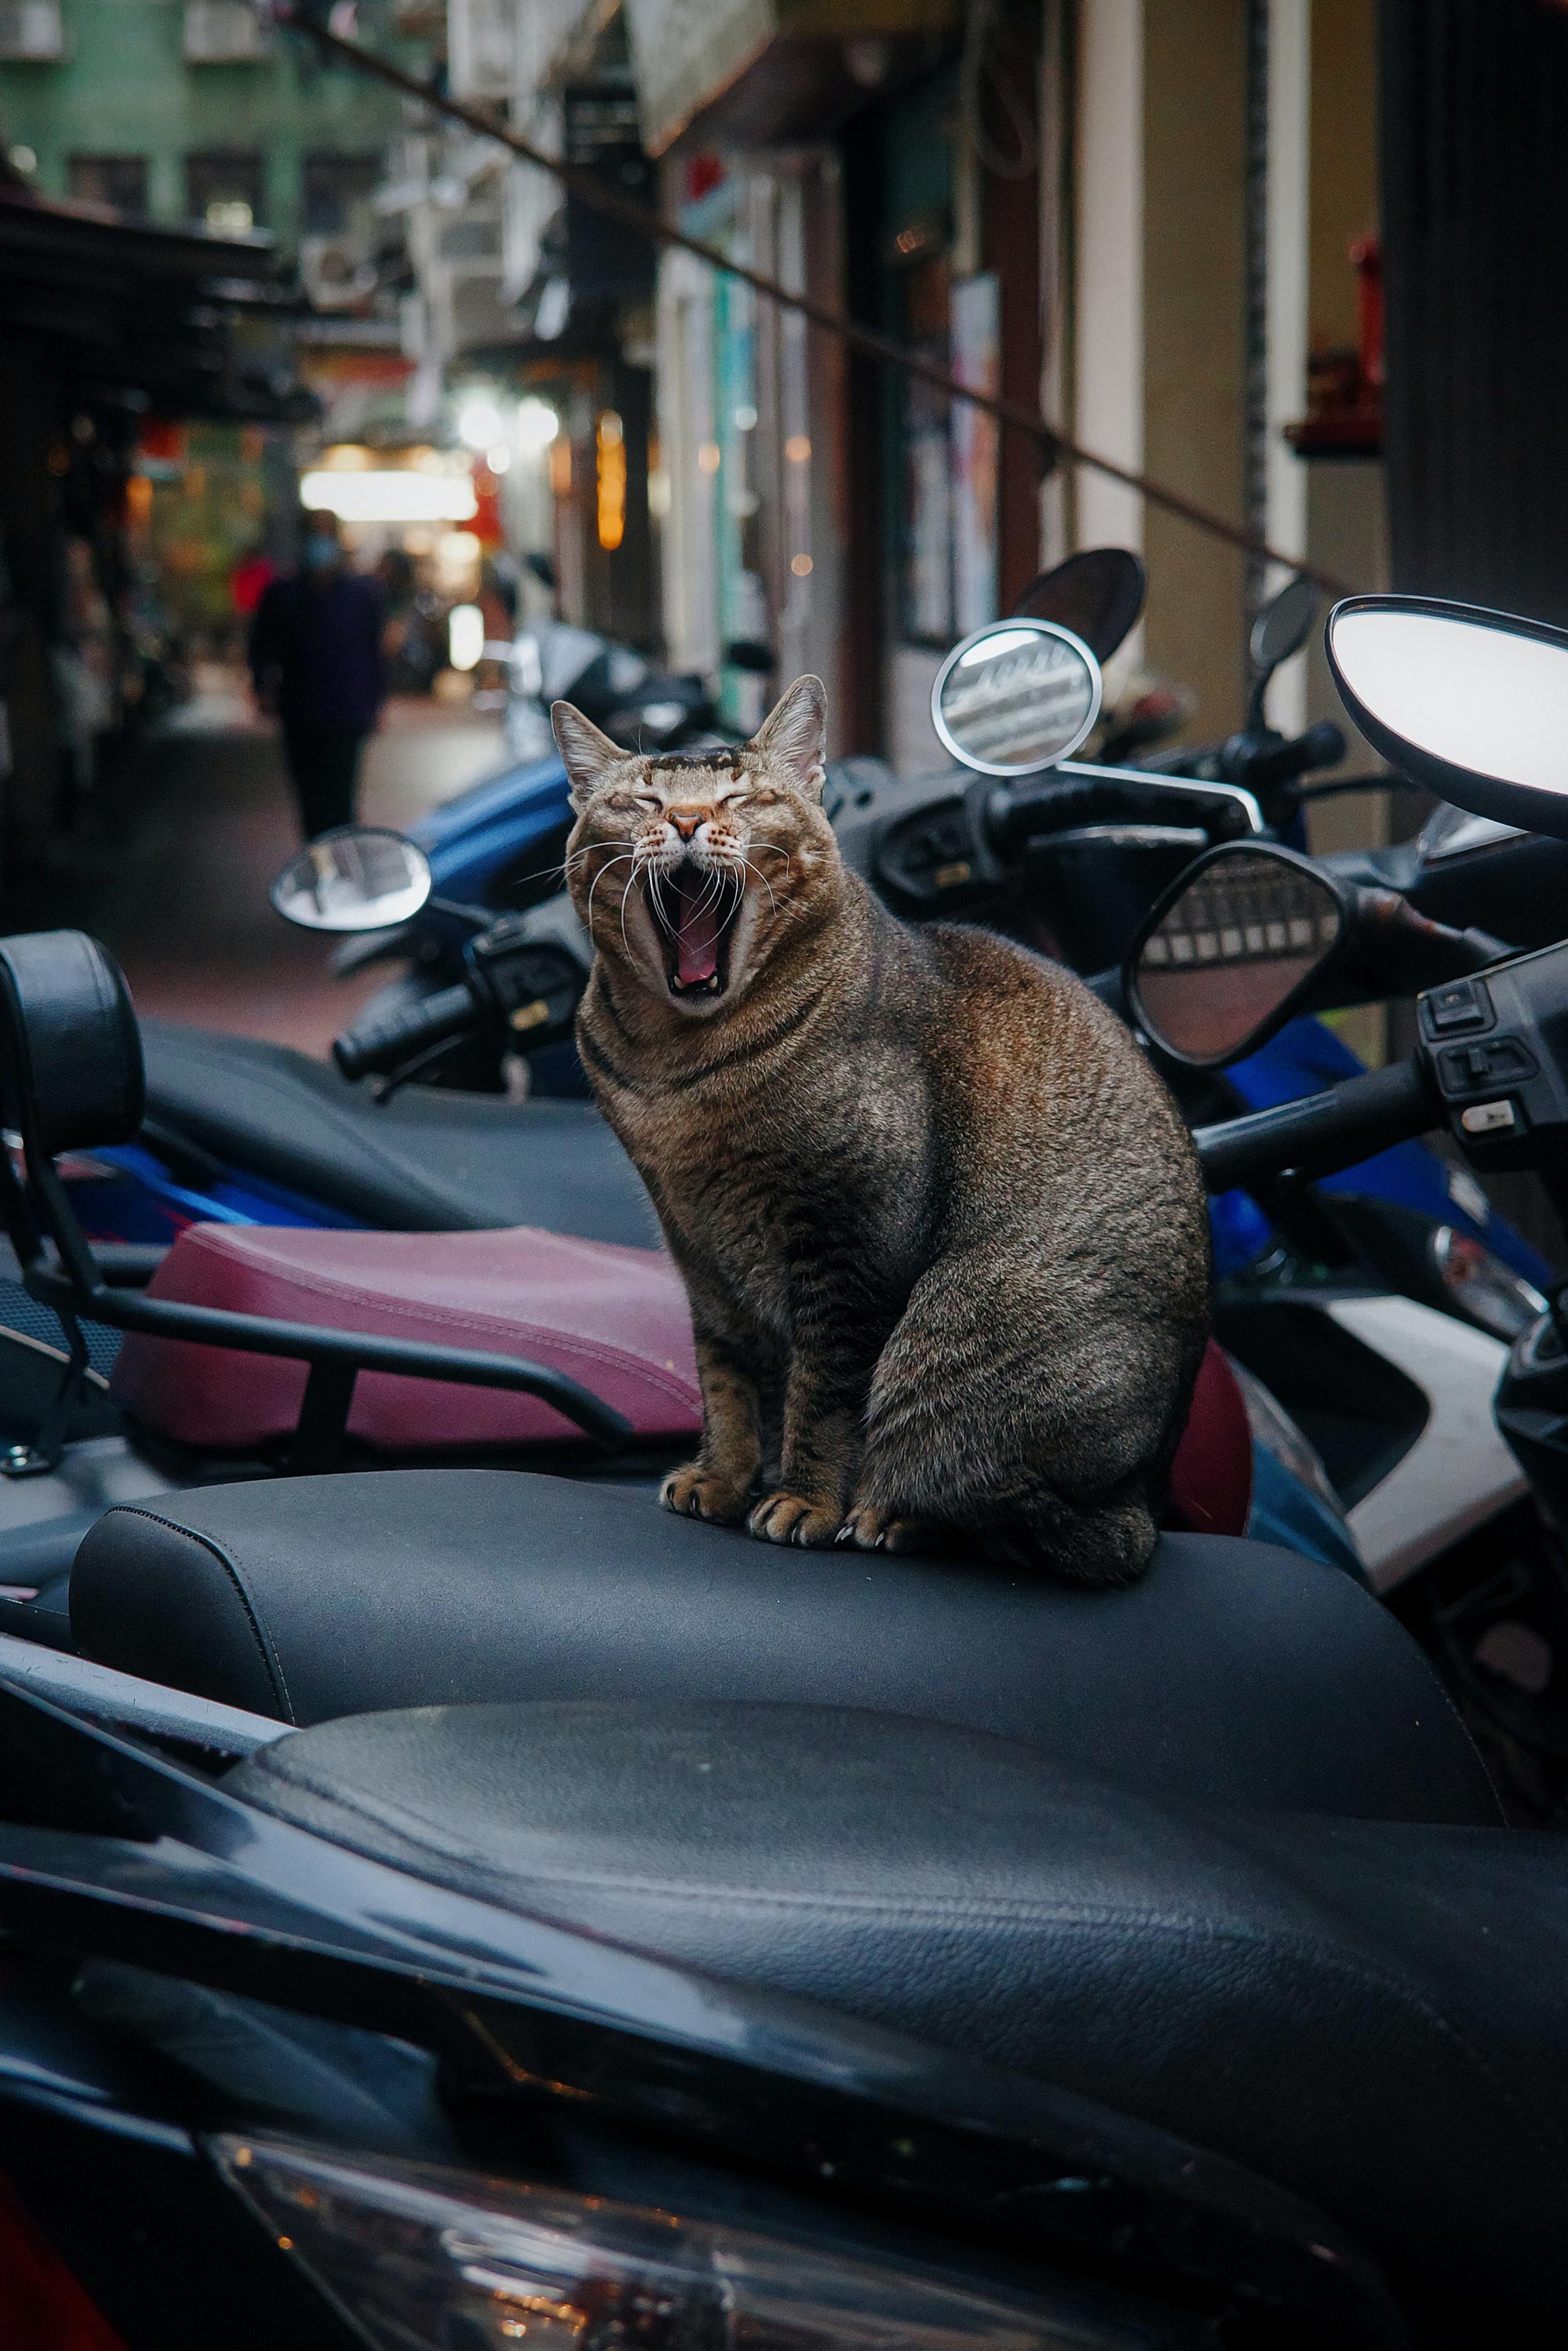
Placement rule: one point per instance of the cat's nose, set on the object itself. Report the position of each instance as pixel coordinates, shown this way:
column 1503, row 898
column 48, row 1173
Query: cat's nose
column 685, row 820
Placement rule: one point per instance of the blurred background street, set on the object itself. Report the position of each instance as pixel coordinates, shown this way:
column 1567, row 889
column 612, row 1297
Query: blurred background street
column 175, row 882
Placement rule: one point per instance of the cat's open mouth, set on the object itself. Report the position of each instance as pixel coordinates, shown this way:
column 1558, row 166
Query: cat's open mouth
column 695, row 907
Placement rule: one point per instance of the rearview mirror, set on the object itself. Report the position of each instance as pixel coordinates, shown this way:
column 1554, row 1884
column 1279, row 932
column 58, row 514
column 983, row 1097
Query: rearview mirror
column 1097, row 593
column 360, row 879
column 1228, row 949
column 1284, row 624
column 1472, row 704
column 1015, row 698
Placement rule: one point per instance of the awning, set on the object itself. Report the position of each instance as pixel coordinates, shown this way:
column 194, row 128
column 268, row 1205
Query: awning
column 183, row 322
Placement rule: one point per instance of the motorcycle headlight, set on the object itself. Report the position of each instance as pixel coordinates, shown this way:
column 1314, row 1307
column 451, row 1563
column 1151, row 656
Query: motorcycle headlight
column 421, row 2258
column 1482, row 1287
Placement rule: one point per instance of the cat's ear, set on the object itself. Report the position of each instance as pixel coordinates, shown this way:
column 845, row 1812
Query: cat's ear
column 588, row 754
column 793, row 738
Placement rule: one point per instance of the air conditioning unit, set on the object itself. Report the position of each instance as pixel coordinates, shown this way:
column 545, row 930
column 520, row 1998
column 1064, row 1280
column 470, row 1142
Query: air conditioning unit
column 31, row 32
column 222, row 33
column 335, row 272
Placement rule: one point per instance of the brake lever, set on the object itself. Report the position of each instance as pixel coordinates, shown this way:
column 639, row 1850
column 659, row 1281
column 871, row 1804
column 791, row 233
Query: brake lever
column 381, row 1090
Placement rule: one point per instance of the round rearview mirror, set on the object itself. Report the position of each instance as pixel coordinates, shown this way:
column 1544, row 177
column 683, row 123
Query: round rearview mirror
column 1016, row 697
column 1284, row 623
column 1228, row 951
column 361, row 879
column 1472, row 704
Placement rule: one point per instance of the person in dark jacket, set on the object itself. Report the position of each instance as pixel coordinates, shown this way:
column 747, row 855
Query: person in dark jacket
column 316, row 658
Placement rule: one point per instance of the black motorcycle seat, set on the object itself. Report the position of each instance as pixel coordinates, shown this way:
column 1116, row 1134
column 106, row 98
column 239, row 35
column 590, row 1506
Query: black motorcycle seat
column 427, row 1161
column 1369, row 2012
column 1233, row 1670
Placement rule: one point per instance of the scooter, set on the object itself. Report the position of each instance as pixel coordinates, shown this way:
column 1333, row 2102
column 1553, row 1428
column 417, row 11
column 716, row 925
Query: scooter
column 1217, row 2008
column 190, row 1427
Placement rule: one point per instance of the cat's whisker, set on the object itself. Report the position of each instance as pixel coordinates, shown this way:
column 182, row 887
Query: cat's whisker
column 772, row 901
column 598, row 878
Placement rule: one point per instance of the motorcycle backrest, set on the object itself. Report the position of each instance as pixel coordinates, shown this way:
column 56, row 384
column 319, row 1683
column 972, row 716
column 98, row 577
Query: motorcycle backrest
column 70, row 1050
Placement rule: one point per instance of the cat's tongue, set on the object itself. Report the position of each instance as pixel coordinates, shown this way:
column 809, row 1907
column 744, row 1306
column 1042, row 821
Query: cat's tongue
column 697, row 927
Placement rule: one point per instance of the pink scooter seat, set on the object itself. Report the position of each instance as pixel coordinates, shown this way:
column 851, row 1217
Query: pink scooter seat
column 613, row 1317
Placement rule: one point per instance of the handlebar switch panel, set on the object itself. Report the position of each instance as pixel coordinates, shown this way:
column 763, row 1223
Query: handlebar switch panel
column 534, row 987
column 1498, row 1051
column 1461, row 1007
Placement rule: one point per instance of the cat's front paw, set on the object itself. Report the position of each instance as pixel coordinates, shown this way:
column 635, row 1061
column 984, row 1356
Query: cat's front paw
column 790, row 1519
column 866, row 1529
column 694, row 1492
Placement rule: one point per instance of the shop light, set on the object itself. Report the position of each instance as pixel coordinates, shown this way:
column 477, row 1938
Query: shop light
column 479, row 423
column 500, row 458
column 610, row 444
column 391, row 498
column 538, row 425
column 464, row 636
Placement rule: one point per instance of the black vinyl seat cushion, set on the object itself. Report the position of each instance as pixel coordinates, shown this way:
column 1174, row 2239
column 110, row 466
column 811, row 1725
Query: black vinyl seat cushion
column 1233, row 1670
column 427, row 1161
column 1370, row 2012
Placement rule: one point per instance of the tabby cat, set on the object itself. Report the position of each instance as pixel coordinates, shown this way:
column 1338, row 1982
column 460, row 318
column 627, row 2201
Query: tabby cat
column 942, row 1228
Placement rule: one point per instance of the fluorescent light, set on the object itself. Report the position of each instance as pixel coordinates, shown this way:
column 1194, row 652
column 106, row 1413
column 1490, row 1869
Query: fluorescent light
column 391, row 496
column 479, row 423
column 464, row 636
column 538, row 425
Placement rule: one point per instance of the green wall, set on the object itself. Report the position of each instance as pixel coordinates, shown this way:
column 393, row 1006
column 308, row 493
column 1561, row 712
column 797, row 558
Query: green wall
column 126, row 89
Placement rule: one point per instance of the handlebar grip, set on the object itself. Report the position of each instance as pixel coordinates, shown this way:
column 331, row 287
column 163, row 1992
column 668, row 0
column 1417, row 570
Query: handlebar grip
column 379, row 1045
column 1322, row 745
column 1323, row 1131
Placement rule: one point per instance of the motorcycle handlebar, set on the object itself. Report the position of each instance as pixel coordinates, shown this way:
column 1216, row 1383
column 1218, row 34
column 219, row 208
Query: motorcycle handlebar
column 1323, row 1131
column 1322, row 745
column 378, row 1046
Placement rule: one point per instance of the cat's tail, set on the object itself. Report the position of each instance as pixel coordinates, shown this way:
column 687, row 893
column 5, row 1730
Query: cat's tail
column 1107, row 1543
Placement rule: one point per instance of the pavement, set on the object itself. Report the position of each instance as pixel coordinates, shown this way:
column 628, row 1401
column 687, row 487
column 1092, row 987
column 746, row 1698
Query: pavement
column 171, row 868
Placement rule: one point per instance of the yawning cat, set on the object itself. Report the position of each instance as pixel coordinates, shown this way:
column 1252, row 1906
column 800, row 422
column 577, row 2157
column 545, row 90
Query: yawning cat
column 942, row 1228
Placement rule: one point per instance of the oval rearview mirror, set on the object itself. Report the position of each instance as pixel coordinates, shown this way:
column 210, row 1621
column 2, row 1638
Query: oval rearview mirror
column 361, row 879
column 1472, row 704
column 1228, row 951
column 1283, row 625
column 1097, row 593
column 1016, row 697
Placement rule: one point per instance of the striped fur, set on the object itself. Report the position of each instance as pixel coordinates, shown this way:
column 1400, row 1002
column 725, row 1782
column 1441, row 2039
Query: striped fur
column 942, row 1227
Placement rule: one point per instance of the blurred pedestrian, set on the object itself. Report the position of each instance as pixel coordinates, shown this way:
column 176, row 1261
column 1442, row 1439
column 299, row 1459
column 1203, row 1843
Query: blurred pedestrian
column 316, row 659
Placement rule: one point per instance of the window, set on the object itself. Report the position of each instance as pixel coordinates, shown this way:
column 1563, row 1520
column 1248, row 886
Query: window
column 337, row 193
column 222, row 33
column 223, row 192
column 31, row 32
column 117, row 180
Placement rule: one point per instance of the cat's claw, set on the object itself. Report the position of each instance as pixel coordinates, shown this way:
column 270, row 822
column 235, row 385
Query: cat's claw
column 789, row 1518
column 692, row 1493
column 866, row 1529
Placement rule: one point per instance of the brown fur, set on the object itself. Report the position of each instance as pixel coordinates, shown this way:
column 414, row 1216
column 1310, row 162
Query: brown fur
column 942, row 1228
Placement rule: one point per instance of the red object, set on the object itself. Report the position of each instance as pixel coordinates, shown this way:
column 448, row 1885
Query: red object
column 247, row 580
column 616, row 1319
column 1211, row 1476
column 42, row 2307
column 1366, row 254
column 486, row 522
column 163, row 441
column 703, row 173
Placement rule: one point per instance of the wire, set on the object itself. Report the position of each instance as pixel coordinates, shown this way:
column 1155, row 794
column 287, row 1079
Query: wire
column 589, row 189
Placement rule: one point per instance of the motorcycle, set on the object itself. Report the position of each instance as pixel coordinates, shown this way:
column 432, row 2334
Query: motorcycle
column 1301, row 1349
column 1219, row 2007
